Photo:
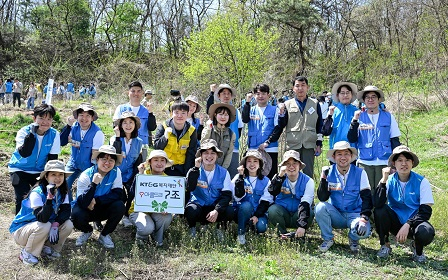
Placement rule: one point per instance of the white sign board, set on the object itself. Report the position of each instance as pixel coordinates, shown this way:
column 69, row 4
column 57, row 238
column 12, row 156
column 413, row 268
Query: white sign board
column 49, row 91
column 154, row 193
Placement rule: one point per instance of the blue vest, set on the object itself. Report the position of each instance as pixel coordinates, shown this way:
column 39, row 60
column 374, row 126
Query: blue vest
column 375, row 143
column 81, row 157
column 347, row 200
column 70, row 87
column 287, row 199
column 234, row 128
column 143, row 114
column 254, row 194
column 206, row 194
column 126, row 165
column 341, row 123
column 26, row 214
column 106, row 184
column 261, row 126
column 36, row 161
column 404, row 204
column 8, row 87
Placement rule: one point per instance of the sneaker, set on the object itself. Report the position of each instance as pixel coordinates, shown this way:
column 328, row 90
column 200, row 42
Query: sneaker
column 354, row 245
column 384, row 251
column 27, row 258
column 326, row 245
column 106, row 241
column 50, row 253
column 82, row 239
column 126, row 222
column 98, row 226
column 192, row 231
column 242, row 239
column 415, row 257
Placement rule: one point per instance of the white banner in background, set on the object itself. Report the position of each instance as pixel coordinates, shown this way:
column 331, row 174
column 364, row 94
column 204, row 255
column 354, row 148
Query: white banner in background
column 49, row 91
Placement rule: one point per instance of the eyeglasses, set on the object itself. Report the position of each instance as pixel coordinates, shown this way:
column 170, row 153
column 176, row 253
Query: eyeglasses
column 345, row 92
column 108, row 160
column 371, row 97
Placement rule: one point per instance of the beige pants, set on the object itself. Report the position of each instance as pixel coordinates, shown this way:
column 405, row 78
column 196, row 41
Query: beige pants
column 34, row 236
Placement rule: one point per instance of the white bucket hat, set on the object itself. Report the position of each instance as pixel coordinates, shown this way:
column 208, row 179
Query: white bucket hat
column 370, row 89
column 110, row 150
column 340, row 146
column 160, row 153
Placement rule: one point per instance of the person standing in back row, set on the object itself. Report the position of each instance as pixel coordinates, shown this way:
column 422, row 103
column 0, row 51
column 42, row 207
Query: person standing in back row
column 17, row 89
column 303, row 121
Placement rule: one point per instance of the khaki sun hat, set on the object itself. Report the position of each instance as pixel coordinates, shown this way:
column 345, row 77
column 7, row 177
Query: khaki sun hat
column 110, row 150
column 403, row 150
column 340, row 146
column 131, row 115
column 56, row 166
column 194, row 99
column 223, row 86
column 160, row 153
column 370, row 89
column 214, row 107
column 294, row 155
column 263, row 157
column 148, row 91
column 85, row 107
column 352, row 86
column 209, row 144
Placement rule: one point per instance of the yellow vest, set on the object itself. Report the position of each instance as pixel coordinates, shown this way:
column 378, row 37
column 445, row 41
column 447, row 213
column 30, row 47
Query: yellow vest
column 177, row 150
column 301, row 129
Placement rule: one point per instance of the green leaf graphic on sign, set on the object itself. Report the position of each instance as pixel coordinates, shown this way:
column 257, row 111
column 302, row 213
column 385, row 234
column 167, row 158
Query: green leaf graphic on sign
column 155, row 206
column 163, row 206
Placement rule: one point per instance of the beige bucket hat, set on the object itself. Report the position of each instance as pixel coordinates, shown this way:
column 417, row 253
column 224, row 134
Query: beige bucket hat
column 262, row 156
column 223, row 86
column 131, row 115
column 209, row 144
column 160, row 153
column 85, row 107
column 294, row 155
column 370, row 89
column 340, row 146
column 56, row 166
column 194, row 99
column 110, row 150
column 214, row 107
column 352, row 86
column 403, row 150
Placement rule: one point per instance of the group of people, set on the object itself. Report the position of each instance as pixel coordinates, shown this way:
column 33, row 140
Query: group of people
column 252, row 189
column 10, row 91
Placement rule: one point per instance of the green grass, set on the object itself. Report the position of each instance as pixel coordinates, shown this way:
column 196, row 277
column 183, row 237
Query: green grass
column 264, row 256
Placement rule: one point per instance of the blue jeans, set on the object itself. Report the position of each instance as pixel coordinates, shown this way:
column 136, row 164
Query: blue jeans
column 71, row 179
column 30, row 103
column 328, row 217
column 245, row 211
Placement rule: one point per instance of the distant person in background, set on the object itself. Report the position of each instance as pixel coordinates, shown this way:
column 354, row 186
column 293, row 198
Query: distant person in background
column 375, row 132
column 70, row 92
column 2, row 92
column 8, row 90
column 36, row 144
column 147, row 100
column 82, row 91
column 92, row 90
column 195, row 108
column 43, row 223
column 337, row 123
column 31, row 96
column 60, row 93
column 17, row 89
column 145, row 114
column 40, row 92
column 175, row 97
column 403, row 205
column 325, row 102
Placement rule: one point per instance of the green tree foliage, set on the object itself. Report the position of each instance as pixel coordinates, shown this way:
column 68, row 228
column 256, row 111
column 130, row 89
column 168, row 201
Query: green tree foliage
column 228, row 50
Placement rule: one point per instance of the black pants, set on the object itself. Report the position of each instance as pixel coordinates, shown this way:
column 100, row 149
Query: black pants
column 274, row 166
column 112, row 212
column 386, row 221
column 22, row 183
column 16, row 96
column 195, row 213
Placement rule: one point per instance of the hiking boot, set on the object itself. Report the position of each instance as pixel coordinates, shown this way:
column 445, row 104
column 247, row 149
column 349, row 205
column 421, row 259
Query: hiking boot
column 106, row 241
column 27, row 258
column 82, row 239
column 242, row 239
column 415, row 257
column 98, row 226
column 126, row 222
column 354, row 245
column 384, row 252
column 50, row 253
column 326, row 245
